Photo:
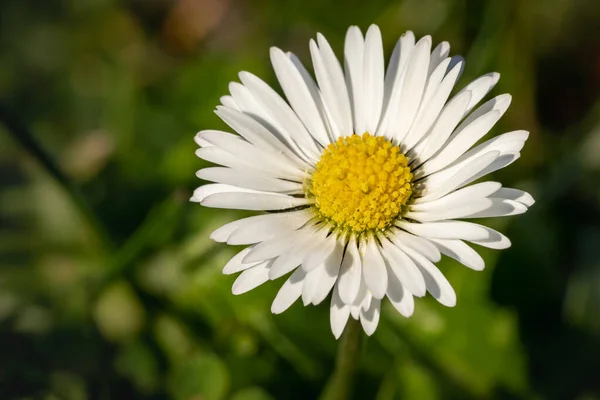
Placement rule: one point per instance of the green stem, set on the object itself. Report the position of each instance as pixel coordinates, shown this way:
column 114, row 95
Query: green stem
column 340, row 384
column 23, row 136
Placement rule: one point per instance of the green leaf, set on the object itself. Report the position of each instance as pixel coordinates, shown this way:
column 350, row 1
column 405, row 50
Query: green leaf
column 119, row 313
column 137, row 362
column 204, row 376
column 253, row 393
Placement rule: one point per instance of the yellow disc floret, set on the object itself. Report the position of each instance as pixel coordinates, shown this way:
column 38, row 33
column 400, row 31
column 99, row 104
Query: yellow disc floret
column 361, row 183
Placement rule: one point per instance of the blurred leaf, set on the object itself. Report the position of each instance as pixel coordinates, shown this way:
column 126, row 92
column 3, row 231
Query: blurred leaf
column 173, row 338
column 251, row 394
column 119, row 313
column 136, row 362
column 68, row 386
column 203, row 376
column 33, row 319
column 416, row 382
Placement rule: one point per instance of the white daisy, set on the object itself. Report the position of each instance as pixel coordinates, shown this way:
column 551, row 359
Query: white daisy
column 363, row 172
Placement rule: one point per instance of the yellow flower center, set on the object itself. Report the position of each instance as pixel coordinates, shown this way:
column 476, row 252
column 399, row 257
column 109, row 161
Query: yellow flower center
column 361, row 183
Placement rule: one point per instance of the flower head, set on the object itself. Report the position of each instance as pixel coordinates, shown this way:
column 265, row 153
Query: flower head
column 363, row 175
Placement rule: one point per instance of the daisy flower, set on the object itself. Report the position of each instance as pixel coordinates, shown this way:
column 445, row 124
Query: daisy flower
column 363, row 174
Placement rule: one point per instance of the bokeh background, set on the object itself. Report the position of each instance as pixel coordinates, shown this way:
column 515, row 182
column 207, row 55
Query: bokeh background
column 111, row 289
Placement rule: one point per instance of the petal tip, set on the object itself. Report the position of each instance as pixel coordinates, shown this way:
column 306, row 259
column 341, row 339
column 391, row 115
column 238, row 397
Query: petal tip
column 276, row 309
column 450, row 302
column 337, row 330
column 276, row 52
column 236, row 290
column 374, row 28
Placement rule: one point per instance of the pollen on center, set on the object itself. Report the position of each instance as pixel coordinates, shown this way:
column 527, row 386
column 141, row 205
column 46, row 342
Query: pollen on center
column 360, row 183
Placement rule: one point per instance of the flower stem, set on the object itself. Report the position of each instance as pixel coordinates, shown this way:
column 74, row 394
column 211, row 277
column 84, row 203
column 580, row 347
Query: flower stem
column 340, row 384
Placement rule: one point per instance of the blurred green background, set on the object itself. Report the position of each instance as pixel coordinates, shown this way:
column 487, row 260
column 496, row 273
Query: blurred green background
column 111, row 289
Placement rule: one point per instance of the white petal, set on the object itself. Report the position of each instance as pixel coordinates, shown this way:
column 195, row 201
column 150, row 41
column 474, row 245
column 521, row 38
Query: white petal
column 511, row 142
column 477, row 191
column 219, row 156
column 250, row 107
column 417, row 243
column 248, row 180
column 248, row 230
column 207, row 190
column 317, row 280
column 412, row 89
column 373, row 78
column 462, row 177
column 246, row 102
column 298, row 95
column 251, row 278
column 286, row 121
column 480, row 87
column 374, row 272
column 225, row 158
column 316, row 95
column 338, row 314
column 432, row 85
column 447, row 230
column 354, row 47
column 198, row 138
column 448, row 119
column 508, row 142
column 366, row 303
column 499, row 208
column 258, row 134
column 253, row 201
column 400, row 298
column 289, row 292
column 309, row 286
column 236, row 263
column 267, row 161
column 502, row 161
column 516, row 195
column 499, row 103
column 261, row 227
column 362, row 299
column 278, row 245
column 468, row 133
column 403, row 268
column 369, row 319
column 350, row 273
column 318, row 254
column 222, row 233
column 229, row 102
column 205, row 143
column 461, row 252
column 466, row 210
column 393, row 83
column 433, row 102
column 284, row 264
column 328, row 274
column 293, row 256
column 469, row 231
column 495, row 240
column 438, row 54
column 437, row 284
column 331, row 82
